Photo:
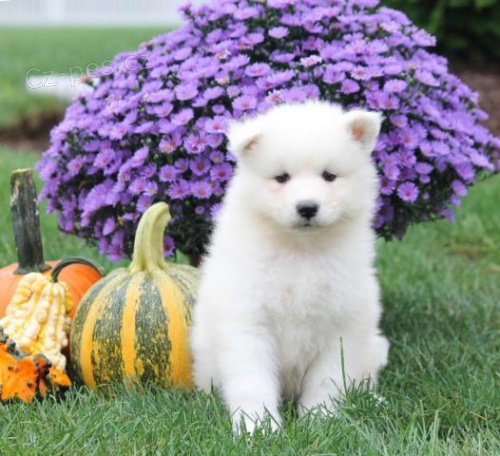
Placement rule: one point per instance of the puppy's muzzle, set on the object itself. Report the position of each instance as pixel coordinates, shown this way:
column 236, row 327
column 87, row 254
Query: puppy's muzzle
column 307, row 209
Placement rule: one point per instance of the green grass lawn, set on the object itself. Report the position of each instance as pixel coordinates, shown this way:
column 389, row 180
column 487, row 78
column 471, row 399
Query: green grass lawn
column 57, row 50
column 441, row 386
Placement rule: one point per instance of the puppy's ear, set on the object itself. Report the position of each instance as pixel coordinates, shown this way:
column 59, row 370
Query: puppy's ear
column 364, row 127
column 243, row 136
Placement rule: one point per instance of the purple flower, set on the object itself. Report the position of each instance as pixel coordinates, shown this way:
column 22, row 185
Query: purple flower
column 399, row 121
column 139, row 157
column 294, row 95
column 183, row 117
column 280, row 77
column 201, row 190
column 168, row 246
column 395, row 86
column 466, row 171
column 217, row 124
column 138, row 186
column 459, row 188
column 151, row 188
column 383, row 102
column 391, row 172
column 168, row 173
column 221, row 172
column 278, row 32
column 160, row 96
column 254, row 38
column 213, row 93
column 426, row 78
column 74, row 167
column 238, row 62
column 257, row 70
column 182, row 164
column 216, row 156
column 310, row 61
column 200, row 166
column 246, row 13
column 282, row 57
column 233, row 91
column 195, row 143
column 360, row 73
column 186, row 92
column 423, row 168
column 182, row 53
column 245, row 103
column 279, row 4
column 146, row 127
column 332, row 76
column 168, row 144
column 408, row 192
column 116, row 131
column 144, row 202
column 409, row 139
column 349, row 86
column 422, row 38
column 387, row 186
column 179, row 190
column 162, row 110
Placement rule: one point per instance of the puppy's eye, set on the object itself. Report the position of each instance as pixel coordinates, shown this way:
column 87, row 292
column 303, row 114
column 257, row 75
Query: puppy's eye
column 329, row 177
column 282, row 178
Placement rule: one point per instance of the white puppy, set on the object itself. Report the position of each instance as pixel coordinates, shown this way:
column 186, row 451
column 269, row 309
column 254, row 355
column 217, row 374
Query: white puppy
column 288, row 305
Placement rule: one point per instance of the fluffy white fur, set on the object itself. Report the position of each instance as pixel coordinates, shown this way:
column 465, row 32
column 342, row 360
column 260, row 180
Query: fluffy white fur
column 288, row 308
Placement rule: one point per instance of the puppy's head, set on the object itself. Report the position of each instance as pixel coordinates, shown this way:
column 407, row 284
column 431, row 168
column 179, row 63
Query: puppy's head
column 306, row 167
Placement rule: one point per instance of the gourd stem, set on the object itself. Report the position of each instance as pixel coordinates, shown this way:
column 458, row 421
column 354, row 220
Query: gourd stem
column 26, row 223
column 148, row 245
column 73, row 260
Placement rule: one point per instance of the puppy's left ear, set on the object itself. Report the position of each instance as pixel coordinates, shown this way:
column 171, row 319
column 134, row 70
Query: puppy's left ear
column 364, row 127
column 243, row 136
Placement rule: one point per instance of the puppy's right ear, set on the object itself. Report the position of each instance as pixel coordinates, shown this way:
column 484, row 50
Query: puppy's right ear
column 243, row 136
column 364, row 127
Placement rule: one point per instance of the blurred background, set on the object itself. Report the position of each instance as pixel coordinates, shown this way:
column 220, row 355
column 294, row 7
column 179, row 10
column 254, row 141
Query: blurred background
column 90, row 12
column 46, row 45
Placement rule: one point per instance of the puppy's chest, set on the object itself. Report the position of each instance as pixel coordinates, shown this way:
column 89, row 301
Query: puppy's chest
column 300, row 292
column 300, row 307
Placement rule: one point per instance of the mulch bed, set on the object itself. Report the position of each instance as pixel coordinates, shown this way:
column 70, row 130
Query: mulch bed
column 487, row 83
column 33, row 131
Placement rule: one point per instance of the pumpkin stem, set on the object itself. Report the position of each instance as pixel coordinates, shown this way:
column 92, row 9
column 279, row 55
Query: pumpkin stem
column 148, row 244
column 73, row 260
column 26, row 223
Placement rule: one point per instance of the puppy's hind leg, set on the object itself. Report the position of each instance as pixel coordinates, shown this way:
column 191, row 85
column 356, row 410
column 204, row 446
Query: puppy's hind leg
column 347, row 362
column 249, row 380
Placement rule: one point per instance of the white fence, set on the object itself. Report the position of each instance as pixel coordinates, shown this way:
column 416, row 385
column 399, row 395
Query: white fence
column 89, row 12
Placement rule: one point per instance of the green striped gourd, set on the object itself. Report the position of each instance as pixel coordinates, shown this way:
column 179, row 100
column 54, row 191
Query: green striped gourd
column 132, row 325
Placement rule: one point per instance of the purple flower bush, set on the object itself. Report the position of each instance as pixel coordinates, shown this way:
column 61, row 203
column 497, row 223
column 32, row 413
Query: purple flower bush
column 152, row 129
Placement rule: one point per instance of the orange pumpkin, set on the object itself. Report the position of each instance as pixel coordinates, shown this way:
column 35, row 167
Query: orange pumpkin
column 26, row 377
column 25, row 217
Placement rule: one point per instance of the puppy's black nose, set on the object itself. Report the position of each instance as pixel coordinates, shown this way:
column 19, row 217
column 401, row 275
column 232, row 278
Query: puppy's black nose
column 307, row 209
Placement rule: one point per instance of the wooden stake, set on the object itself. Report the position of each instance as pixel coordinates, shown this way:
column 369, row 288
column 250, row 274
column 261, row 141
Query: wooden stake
column 26, row 222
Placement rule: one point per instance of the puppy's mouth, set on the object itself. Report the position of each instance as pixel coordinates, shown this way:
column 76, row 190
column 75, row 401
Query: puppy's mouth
column 307, row 226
